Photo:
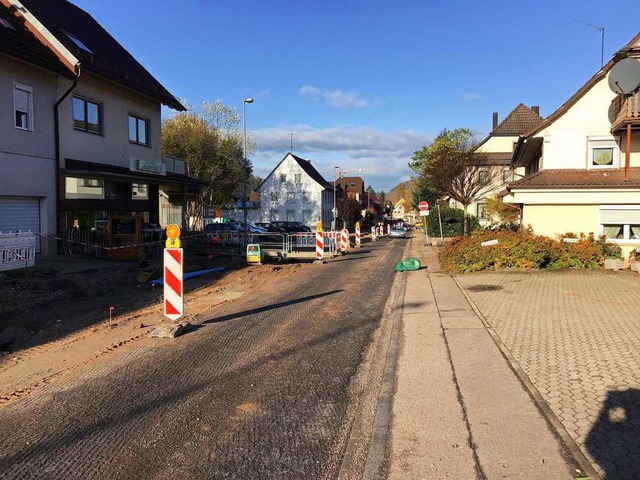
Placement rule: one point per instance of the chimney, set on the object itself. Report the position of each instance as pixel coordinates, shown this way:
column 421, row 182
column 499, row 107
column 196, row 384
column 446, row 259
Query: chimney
column 495, row 120
column 536, row 109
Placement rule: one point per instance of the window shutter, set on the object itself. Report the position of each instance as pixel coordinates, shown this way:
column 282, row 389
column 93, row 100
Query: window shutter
column 621, row 217
column 21, row 99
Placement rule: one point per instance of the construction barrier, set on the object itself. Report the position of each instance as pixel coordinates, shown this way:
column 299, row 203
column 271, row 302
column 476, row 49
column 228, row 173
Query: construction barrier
column 17, row 250
column 373, row 234
column 173, row 283
column 358, row 240
column 319, row 244
column 344, row 240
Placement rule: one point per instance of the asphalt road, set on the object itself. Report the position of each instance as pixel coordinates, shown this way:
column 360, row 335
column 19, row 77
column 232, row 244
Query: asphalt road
column 260, row 391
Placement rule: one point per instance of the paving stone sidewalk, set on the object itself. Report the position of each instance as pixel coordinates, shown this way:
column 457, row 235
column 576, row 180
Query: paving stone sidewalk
column 576, row 335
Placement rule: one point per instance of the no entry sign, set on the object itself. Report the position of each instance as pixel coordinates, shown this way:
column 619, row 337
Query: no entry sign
column 423, row 206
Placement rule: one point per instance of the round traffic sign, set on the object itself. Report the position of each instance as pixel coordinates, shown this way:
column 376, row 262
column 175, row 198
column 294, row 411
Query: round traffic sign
column 423, row 206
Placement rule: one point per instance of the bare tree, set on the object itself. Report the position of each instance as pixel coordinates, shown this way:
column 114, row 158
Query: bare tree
column 454, row 168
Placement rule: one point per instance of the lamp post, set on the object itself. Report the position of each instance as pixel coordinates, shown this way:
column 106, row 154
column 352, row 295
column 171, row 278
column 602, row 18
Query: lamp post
column 335, row 205
column 245, row 180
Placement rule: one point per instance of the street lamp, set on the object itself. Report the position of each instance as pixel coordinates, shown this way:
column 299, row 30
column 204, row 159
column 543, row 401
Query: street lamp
column 245, row 180
column 335, row 206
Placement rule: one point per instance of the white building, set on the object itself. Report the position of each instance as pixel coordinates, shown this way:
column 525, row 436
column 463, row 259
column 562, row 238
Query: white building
column 295, row 191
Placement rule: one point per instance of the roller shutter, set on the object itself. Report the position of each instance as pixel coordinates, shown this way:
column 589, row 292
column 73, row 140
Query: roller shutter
column 20, row 213
column 620, row 217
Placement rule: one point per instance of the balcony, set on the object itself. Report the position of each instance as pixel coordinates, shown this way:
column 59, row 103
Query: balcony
column 625, row 110
column 173, row 164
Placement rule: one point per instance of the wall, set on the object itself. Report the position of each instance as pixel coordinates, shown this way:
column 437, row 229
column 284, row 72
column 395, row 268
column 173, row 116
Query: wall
column 27, row 158
column 565, row 140
column 112, row 147
column 499, row 144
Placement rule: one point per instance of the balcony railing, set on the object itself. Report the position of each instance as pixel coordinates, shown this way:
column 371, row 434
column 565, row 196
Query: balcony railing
column 173, row 164
column 624, row 110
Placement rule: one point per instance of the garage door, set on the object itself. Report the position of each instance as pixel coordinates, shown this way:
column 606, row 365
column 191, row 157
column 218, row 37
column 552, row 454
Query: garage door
column 20, row 213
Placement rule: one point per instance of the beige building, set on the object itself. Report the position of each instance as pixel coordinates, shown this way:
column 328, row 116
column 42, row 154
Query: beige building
column 497, row 149
column 582, row 164
column 81, row 143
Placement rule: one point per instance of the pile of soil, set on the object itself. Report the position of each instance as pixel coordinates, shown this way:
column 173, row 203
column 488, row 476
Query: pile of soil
column 40, row 305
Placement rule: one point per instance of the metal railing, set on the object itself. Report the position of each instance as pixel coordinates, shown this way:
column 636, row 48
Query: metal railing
column 17, row 250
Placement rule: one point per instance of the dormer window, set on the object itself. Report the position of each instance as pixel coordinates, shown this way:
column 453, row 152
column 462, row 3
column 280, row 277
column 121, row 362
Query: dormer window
column 78, row 42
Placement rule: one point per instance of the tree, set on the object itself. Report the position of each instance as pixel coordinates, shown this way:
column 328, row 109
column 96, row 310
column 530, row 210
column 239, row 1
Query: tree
column 349, row 211
column 452, row 167
column 210, row 142
column 382, row 196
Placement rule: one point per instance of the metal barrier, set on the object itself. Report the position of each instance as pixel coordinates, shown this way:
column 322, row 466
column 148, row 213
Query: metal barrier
column 17, row 250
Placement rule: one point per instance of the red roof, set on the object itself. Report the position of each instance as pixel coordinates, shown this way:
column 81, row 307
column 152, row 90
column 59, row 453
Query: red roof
column 578, row 179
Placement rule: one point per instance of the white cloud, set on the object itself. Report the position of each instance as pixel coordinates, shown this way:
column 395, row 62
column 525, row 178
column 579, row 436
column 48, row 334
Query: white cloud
column 382, row 156
column 471, row 96
column 337, row 98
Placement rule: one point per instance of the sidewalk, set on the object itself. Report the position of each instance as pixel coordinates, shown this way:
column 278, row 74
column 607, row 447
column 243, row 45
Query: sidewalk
column 459, row 410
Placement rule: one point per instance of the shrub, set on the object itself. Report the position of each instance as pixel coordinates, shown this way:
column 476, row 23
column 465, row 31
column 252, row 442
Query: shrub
column 523, row 250
column 452, row 222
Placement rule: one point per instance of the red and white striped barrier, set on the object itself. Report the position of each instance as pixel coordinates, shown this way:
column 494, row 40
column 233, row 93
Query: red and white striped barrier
column 173, row 283
column 358, row 235
column 344, row 240
column 389, row 229
column 373, row 233
column 319, row 245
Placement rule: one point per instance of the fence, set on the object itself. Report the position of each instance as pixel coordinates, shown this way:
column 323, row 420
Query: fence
column 17, row 250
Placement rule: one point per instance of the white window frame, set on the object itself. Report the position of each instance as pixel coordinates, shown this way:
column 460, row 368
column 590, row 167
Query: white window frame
column 139, row 191
column 29, row 91
column 626, row 226
column 602, row 142
column 481, row 207
column 297, row 178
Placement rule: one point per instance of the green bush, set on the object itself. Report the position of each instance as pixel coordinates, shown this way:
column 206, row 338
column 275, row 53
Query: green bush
column 524, row 250
column 452, row 222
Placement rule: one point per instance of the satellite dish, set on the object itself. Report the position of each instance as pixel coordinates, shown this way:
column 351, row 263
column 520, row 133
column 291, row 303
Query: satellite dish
column 624, row 76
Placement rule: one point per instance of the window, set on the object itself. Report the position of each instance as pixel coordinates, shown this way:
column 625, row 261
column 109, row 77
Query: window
column 305, row 197
column 620, row 223
column 306, row 216
column 298, row 177
column 483, row 175
column 78, row 42
column 87, row 115
column 291, row 197
column 481, row 210
column 23, row 106
column 5, row 23
column 139, row 191
column 84, row 188
column 138, row 130
column 283, row 177
column 291, row 215
column 274, row 196
column 603, row 152
column 507, row 175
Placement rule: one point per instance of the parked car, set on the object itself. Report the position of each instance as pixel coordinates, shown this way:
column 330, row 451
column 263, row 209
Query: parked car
column 270, row 227
column 220, row 233
column 292, row 227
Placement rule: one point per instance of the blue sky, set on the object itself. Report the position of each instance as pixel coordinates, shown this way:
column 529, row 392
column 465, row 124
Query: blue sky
column 364, row 84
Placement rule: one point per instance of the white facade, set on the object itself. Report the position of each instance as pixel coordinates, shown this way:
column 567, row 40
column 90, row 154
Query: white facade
column 291, row 193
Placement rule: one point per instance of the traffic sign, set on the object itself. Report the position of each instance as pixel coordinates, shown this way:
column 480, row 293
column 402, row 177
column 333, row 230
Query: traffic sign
column 423, row 206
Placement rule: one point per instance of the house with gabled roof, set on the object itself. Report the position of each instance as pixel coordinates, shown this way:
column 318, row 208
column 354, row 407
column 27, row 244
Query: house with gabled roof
column 497, row 150
column 295, row 191
column 582, row 164
column 81, row 125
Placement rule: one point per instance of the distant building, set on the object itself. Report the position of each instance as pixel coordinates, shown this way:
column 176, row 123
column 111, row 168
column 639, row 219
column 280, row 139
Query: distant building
column 295, row 191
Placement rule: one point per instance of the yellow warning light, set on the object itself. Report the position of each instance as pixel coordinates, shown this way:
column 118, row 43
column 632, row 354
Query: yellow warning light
column 319, row 226
column 358, row 225
column 173, row 231
column 173, row 236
